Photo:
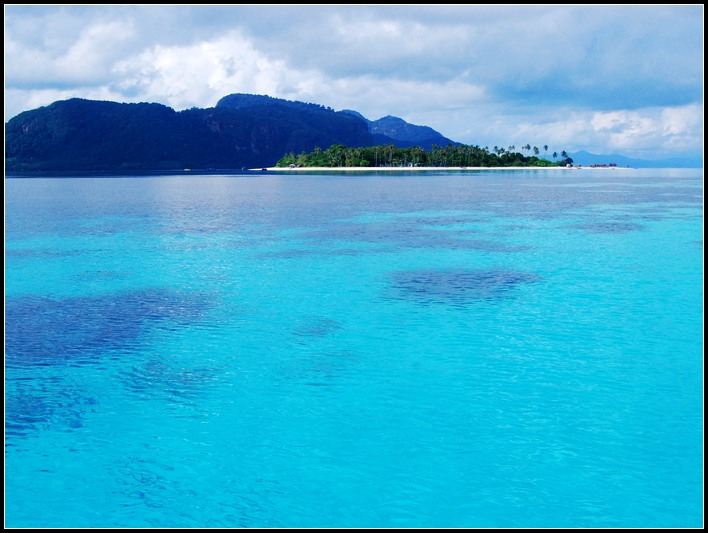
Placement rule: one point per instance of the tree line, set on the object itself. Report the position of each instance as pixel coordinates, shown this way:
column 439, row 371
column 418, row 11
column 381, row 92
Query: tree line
column 459, row 155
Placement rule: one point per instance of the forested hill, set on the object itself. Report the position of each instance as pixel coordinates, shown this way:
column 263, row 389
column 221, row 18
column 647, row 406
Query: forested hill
column 243, row 130
column 92, row 135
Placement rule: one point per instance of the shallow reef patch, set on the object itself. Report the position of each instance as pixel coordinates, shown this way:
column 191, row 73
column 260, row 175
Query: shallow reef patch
column 608, row 227
column 317, row 327
column 47, row 331
column 457, row 286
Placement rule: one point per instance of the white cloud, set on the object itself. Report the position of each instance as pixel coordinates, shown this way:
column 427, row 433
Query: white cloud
column 17, row 100
column 97, row 48
column 667, row 129
column 649, row 132
column 84, row 60
column 199, row 74
column 375, row 97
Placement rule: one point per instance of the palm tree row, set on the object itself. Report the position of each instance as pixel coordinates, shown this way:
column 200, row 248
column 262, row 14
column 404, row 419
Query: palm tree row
column 454, row 155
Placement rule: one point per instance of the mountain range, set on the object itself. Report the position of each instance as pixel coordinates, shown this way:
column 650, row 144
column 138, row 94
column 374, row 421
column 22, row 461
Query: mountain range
column 242, row 130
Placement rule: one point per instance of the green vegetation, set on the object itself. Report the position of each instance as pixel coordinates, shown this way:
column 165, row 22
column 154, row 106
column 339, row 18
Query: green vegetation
column 458, row 155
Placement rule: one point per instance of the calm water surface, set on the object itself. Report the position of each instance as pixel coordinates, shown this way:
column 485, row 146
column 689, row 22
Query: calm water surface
column 480, row 349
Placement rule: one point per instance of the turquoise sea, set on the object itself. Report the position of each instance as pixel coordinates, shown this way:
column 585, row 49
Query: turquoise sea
column 481, row 349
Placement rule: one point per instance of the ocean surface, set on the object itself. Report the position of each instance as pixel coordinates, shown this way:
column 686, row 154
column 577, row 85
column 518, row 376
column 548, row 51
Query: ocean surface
column 479, row 349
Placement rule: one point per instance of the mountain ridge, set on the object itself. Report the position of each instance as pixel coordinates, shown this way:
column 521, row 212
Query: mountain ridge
column 404, row 134
column 241, row 131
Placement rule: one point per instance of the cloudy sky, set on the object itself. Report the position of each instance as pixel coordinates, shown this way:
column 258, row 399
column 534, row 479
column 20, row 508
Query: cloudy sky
column 606, row 79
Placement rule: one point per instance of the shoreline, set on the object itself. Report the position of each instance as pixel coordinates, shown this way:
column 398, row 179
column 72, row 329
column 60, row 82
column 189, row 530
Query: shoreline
column 415, row 169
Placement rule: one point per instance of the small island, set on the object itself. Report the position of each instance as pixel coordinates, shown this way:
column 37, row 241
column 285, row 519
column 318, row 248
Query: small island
column 243, row 131
column 391, row 156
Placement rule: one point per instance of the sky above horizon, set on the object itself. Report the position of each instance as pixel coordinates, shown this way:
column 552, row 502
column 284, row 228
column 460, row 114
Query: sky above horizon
column 605, row 79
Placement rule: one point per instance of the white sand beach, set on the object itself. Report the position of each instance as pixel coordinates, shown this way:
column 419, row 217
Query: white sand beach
column 415, row 169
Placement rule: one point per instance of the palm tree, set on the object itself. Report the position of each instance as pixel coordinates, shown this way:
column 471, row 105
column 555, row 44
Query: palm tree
column 535, row 150
column 545, row 148
column 555, row 155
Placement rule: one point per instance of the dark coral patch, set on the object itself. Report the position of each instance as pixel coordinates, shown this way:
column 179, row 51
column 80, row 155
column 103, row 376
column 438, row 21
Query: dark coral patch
column 317, row 327
column 160, row 378
column 30, row 408
column 457, row 286
column 609, row 227
column 46, row 331
column 408, row 234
